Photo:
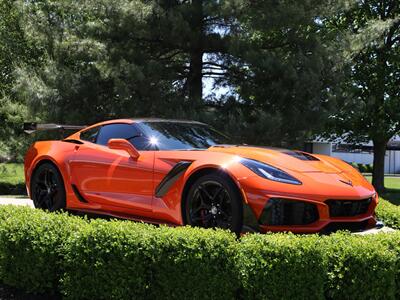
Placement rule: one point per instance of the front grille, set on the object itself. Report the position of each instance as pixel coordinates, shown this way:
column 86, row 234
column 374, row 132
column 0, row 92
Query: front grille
column 280, row 212
column 348, row 208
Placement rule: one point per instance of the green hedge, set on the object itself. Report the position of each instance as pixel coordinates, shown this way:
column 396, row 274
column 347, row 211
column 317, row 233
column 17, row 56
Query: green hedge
column 98, row 259
column 125, row 260
column 30, row 245
column 281, row 266
column 388, row 213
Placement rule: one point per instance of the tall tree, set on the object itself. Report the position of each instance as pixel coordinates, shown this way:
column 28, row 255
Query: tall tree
column 15, row 50
column 282, row 68
column 107, row 58
column 370, row 106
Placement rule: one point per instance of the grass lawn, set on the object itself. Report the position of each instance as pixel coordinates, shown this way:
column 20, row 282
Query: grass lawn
column 12, row 173
column 12, row 180
column 392, row 185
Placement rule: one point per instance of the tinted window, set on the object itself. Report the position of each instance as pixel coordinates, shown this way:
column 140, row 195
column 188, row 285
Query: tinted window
column 116, row 131
column 181, row 135
column 90, row 135
column 124, row 131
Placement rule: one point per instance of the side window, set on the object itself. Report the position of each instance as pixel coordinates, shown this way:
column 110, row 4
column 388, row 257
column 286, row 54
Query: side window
column 116, row 131
column 90, row 135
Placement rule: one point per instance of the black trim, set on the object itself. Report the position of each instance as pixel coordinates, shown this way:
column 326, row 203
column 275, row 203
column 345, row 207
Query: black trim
column 172, row 176
column 250, row 222
column 72, row 141
column 78, row 194
column 30, row 127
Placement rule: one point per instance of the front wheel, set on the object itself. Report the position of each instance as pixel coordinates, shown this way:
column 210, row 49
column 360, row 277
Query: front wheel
column 47, row 188
column 214, row 201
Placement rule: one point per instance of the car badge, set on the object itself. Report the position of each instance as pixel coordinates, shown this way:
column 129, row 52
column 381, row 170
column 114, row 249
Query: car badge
column 348, row 182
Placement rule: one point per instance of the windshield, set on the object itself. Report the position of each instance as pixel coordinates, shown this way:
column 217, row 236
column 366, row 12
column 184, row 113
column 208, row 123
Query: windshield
column 181, row 135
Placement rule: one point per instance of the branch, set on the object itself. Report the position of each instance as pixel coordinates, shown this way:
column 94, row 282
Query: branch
column 389, row 42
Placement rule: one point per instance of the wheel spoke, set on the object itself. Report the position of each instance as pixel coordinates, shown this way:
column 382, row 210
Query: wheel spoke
column 205, row 192
column 217, row 193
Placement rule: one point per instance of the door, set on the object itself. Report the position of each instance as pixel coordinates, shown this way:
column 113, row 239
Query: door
column 112, row 177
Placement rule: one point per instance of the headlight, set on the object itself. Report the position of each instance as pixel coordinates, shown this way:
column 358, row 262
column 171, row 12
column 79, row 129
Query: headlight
column 269, row 172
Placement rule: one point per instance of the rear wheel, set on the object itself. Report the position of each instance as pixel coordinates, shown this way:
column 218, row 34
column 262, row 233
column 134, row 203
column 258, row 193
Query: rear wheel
column 47, row 188
column 213, row 201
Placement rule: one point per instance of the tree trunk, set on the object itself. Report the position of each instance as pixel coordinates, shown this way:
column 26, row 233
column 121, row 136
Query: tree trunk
column 195, row 77
column 378, row 173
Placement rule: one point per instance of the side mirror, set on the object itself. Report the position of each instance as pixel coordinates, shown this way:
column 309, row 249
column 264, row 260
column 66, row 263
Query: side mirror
column 122, row 144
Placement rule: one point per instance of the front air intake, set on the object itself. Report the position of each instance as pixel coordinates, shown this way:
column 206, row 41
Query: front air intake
column 348, row 208
column 281, row 212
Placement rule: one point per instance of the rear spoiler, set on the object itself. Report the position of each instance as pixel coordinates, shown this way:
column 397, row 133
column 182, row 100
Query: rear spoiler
column 32, row 127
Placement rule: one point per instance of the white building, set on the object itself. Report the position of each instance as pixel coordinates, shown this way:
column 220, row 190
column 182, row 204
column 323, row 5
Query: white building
column 360, row 153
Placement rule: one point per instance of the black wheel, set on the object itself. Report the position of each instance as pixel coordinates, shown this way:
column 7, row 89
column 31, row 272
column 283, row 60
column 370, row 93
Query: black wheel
column 47, row 188
column 214, row 201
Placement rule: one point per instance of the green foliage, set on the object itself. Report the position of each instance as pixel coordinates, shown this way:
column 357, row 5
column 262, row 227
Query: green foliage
column 95, row 60
column 371, row 105
column 363, row 168
column 276, row 68
column 125, row 260
column 30, row 244
column 101, row 259
column 12, row 179
column 389, row 213
column 12, row 173
column 369, row 101
column 281, row 266
column 358, row 268
column 391, row 243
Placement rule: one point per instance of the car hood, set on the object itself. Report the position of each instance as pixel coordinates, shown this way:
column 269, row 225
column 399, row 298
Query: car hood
column 296, row 161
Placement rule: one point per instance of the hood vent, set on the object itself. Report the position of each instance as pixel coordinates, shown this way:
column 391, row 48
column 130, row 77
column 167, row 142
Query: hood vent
column 301, row 155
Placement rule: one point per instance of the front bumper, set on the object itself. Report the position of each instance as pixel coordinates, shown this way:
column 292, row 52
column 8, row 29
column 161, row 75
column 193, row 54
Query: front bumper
column 277, row 212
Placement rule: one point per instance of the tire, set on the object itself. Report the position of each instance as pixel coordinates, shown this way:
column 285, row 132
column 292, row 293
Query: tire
column 213, row 201
column 47, row 188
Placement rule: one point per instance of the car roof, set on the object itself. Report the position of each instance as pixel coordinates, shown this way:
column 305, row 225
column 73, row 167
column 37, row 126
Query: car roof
column 158, row 120
column 140, row 120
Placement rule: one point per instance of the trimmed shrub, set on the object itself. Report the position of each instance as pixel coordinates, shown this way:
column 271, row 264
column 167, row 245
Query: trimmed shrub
column 47, row 252
column 281, row 266
column 358, row 267
column 30, row 243
column 388, row 213
column 392, row 243
column 125, row 260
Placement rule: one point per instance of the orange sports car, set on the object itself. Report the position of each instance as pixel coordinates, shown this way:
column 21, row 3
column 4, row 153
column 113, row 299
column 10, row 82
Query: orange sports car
column 184, row 172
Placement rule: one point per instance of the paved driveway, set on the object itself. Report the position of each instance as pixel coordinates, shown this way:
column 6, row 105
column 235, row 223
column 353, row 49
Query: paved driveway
column 16, row 201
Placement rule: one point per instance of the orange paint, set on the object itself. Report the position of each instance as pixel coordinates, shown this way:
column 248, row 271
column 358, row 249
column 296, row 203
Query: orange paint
column 115, row 183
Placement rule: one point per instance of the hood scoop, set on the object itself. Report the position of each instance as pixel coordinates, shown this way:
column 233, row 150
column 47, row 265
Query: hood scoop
column 301, row 155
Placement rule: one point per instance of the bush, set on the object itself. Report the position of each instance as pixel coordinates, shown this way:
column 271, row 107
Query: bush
column 358, row 268
column 281, row 266
column 388, row 213
column 390, row 242
column 101, row 259
column 125, row 260
column 363, row 168
column 30, row 244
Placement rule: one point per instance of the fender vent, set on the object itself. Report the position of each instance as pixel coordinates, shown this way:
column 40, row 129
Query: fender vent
column 78, row 194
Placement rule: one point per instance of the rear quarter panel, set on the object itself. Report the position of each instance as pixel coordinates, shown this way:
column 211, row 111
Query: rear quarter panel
column 57, row 152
